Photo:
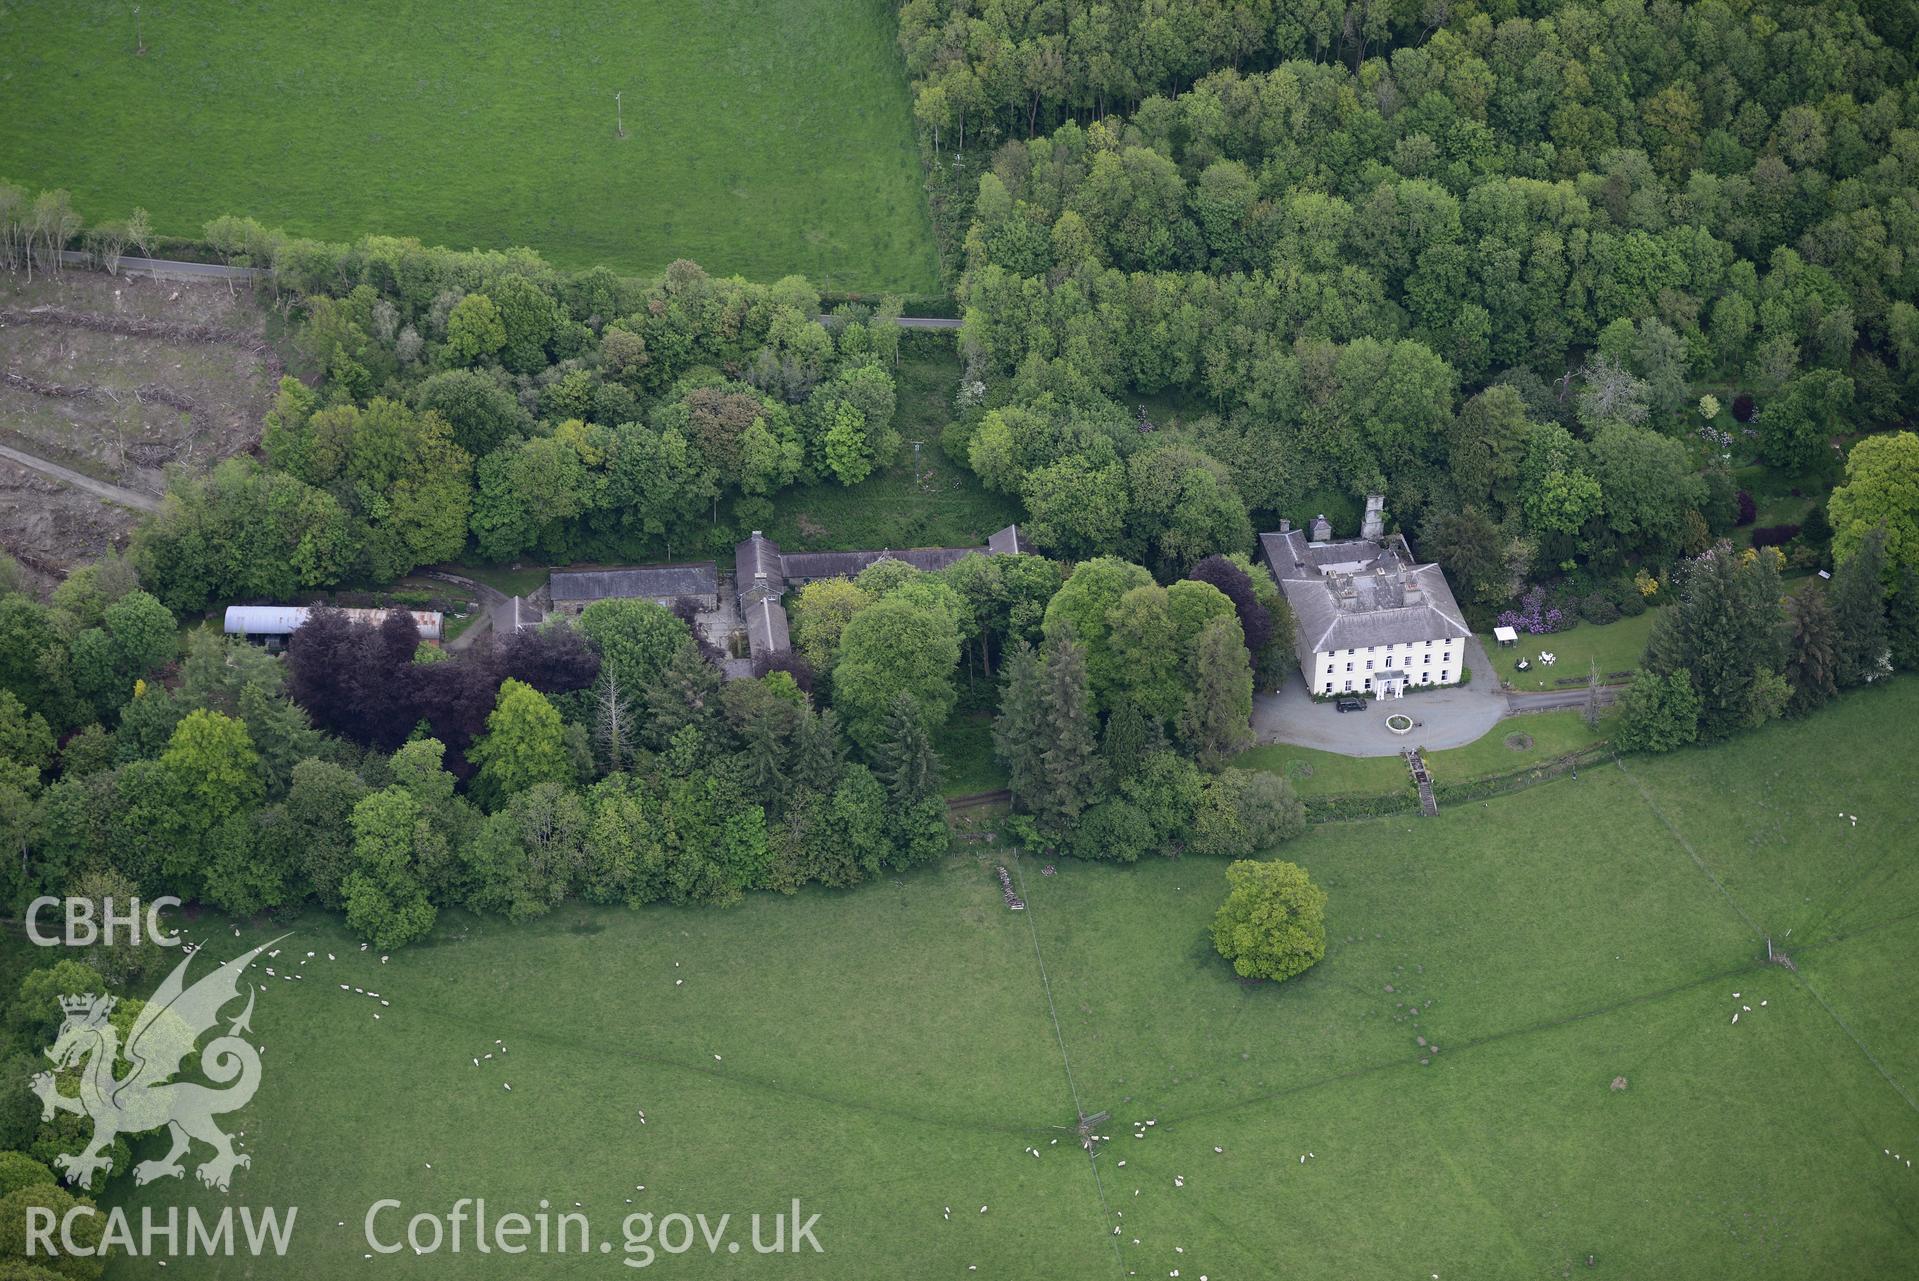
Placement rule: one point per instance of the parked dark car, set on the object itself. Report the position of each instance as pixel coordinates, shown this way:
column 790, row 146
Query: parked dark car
column 1350, row 704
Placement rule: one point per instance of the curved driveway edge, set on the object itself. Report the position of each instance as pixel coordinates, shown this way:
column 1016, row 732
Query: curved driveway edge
column 1450, row 717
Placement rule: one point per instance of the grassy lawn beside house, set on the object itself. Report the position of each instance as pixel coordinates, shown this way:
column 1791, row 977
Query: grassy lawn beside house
column 1517, row 742
column 518, row 579
column 1317, row 773
column 1618, row 647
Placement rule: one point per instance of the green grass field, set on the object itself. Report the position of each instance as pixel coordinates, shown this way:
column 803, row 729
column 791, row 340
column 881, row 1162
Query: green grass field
column 1618, row 647
column 887, row 1053
column 763, row 139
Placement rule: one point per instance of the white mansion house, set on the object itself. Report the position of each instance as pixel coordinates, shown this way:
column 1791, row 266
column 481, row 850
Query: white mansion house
column 1368, row 619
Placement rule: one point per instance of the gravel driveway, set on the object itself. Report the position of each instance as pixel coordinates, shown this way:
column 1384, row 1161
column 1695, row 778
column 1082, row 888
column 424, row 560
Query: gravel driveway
column 1450, row 717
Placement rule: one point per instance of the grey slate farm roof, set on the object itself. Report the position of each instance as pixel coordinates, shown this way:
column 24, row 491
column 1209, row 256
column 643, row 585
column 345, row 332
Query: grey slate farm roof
column 763, row 572
column 758, row 555
column 656, row 582
column 765, row 624
column 1360, row 593
column 807, row 566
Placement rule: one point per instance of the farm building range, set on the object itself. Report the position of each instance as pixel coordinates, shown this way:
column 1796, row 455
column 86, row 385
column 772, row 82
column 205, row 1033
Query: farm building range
column 574, row 589
column 763, row 573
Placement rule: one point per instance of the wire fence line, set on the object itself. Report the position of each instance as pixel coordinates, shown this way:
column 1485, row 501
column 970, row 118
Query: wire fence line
column 1059, row 1036
column 1761, row 932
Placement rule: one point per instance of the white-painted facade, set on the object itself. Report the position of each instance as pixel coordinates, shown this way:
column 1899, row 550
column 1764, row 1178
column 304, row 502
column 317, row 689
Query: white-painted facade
column 1366, row 671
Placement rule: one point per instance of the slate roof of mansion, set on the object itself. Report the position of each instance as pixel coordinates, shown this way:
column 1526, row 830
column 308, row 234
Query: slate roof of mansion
column 1358, row 593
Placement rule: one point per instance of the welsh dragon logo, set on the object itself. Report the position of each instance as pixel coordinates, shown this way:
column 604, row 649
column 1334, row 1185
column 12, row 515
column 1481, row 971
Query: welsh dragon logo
column 162, row 1038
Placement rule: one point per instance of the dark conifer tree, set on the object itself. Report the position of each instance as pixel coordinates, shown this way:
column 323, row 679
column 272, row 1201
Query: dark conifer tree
column 1726, row 633
column 1069, row 763
column 1859, row 612
column 904, row 759
column 686, row 694
column 1902, row 620
column 1813, row 659
column 821, row 752
column 1018, row 730
column 1129, row 736
column 1216, row 722
column 763, row 762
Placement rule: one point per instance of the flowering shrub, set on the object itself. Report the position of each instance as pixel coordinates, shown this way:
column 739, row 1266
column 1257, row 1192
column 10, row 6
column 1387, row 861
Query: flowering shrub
column 1533, row 616
column 1648, row 585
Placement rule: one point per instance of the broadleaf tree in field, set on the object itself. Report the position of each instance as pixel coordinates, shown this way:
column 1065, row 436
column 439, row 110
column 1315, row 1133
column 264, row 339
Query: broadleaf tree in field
column 1273, row 922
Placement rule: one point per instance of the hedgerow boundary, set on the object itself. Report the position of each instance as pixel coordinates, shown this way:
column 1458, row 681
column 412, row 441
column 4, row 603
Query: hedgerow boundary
column 1348, row 807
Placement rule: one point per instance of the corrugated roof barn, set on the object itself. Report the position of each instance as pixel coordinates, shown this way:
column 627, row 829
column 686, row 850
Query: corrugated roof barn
column 284, row 620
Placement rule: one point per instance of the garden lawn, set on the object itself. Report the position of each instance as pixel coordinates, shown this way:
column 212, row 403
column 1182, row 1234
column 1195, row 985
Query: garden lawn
column 1618, row 646
column 517, row 579
column 968, row 765
column 1517, row 742
column 1782, row 497
column 1317, row 773
column 890, row 1052
column 763, row 139
column 923, row 500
